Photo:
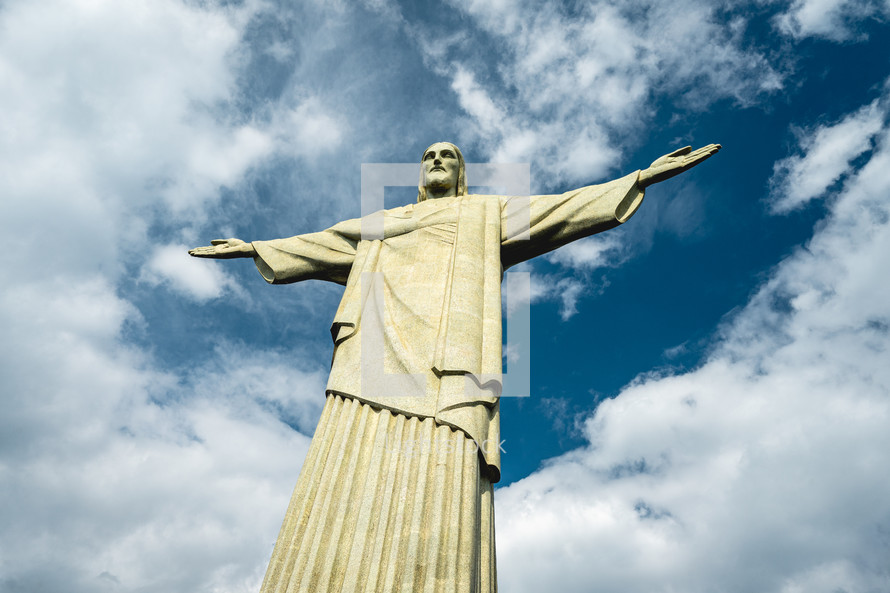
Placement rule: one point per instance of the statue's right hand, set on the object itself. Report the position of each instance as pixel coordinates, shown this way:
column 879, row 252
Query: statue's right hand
column 224, row 249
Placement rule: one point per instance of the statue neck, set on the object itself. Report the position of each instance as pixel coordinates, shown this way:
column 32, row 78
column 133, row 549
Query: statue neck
column 440, row 192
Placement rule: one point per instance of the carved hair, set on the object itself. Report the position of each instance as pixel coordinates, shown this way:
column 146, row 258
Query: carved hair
column 461, row 189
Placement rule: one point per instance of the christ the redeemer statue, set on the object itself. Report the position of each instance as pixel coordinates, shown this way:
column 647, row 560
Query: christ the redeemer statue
column 395, row 494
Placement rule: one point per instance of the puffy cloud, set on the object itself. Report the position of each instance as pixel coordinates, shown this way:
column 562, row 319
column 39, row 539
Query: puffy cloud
column 125, row 476
column 123, row 473
column 200, row 280
column 121, row 89
column 831, row 19
column 761, row 470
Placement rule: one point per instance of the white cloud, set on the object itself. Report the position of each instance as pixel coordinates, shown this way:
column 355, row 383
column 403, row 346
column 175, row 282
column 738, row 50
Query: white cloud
column 567, row 290
column 476, row 102
column 158, row 482
column 198, row 279
column 576, row 280
column 109, row 121
column 591, row 77
column 275, row 379
column 831, row 19
column 762, row 470
column 309, row 129
column 218, row 157
column 116, row 474
column 828, row 151
column 589, row 253
column 137, row 114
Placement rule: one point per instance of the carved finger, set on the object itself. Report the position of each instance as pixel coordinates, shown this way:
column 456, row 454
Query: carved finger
column 219, row 241
column 703, row 153
column 694, row 159
column 681, row 151
column 710, row 149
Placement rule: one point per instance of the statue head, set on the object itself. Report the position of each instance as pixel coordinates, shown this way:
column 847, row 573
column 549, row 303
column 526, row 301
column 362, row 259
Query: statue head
column 442, row 169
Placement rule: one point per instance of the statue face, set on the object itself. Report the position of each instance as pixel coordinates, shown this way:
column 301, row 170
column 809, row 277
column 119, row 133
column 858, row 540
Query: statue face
column 441, row 167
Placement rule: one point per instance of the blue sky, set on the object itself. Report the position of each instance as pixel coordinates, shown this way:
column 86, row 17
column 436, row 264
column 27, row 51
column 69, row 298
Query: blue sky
column 710, row 389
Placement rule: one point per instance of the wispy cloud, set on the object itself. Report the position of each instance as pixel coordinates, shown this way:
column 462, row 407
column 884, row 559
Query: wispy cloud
column 589, row 253
column 571, row 91
column 827, row 152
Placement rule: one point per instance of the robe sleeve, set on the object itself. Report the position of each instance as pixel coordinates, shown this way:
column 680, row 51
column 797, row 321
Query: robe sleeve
column 551, row 221
column 326, row 255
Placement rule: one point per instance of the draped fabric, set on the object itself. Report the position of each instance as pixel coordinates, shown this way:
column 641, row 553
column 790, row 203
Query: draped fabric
column 396, row 491
column 386, row 503
column 431, row 285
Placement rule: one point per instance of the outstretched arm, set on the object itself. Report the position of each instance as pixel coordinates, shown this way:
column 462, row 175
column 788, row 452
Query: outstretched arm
column 535, row 225
column 326, row 255
column 675, row 163
column 553, row 221
column 224, row 249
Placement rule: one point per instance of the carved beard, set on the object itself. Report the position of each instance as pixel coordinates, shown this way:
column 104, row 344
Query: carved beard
column 439, row 183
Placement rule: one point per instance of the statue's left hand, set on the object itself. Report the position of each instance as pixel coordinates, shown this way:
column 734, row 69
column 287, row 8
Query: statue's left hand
column 675, row 163
column 224, row 249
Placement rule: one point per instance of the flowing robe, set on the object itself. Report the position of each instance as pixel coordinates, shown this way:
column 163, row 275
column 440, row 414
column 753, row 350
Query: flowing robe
column 414, row 386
